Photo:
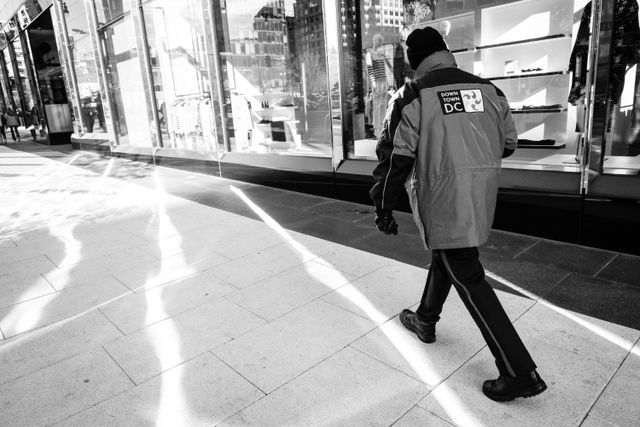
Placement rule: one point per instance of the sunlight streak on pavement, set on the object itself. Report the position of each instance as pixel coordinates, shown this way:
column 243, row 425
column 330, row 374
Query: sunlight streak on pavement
column 598, row 330
column 173, row 407
column 26, row 203
column 405, row 343
column 19, row 319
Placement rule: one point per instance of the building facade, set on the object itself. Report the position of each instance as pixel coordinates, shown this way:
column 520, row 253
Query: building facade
column 296, row 90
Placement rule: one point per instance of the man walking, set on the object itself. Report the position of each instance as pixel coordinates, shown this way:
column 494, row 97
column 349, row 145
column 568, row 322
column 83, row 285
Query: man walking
column 443, row 137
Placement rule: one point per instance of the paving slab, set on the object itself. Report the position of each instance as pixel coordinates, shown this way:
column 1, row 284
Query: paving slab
column 537, row 279
column 595, row 339
column 286, row 291
column 618, row 404
column 457, row 340
column 59, row 306
column 383, row 293
column 130, row 312
column 159, row 272
column 347, row 389
column 574, row 382
column 201, row 392
column 275, row 353
column 354, row 262
column 148, row 352
column 583, row 260
column 624, row 269
column 610, row 301
column 30, row 352
column 23, row 289
column 264, row 263
column 418, row 416
column 58, row 391
column 503, row 245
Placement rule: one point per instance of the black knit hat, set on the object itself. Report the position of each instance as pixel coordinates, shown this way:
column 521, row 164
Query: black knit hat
column 421, row 43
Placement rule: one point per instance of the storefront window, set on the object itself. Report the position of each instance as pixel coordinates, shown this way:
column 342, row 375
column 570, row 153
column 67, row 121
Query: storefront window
column 274, row 72
column 11, row 88
column 85, row 67
column 108, row 10
column 622, row 149
column 132, row 118
column 22, row 78
column 177, row 40
column 522, row 47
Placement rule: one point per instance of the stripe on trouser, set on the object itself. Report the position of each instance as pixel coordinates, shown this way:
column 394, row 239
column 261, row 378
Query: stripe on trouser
column 502, row 353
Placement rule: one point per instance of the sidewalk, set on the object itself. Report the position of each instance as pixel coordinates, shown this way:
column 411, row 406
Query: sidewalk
column 135, row 295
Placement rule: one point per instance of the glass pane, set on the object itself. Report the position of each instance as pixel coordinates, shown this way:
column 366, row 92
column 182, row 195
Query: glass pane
column 126, row 85
column 83, row 59
column 108, row 10
column 22, row 73
column 12, row 89
column 522, row 47
column 177, row 37
column 275, row 76
column 622, row 152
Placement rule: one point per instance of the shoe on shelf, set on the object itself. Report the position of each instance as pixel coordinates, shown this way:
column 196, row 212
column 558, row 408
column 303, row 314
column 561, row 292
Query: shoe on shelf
column 426, row 331
column 506, row 388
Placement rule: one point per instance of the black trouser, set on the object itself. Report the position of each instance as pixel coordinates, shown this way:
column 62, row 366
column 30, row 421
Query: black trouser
column 462, row 268
column 15, row 135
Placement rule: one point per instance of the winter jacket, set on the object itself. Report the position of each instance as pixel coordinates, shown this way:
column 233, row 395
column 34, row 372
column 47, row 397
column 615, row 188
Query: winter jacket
column 444, row 135
column 11, row 119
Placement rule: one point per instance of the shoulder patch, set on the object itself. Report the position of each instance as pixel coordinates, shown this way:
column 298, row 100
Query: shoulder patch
column 461, row 101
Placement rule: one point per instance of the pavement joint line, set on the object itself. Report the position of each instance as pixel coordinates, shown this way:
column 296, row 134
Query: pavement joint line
column 606, row 265
column 545, row 293
column 429, row 386
column 246, row 309
column 243, row 377
column 629, row 354
column 110, row 321
column 526, row 249
column 118, row 365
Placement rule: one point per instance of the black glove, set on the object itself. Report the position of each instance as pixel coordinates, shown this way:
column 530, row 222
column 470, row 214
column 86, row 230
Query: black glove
column 386, row 223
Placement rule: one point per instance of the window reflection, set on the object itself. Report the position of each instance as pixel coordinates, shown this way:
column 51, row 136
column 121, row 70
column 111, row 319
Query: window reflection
column 108, row 10
column 177, row 48
column 85, row 67
column 623, row 150
column 523, row 47
column 132, row 118
column 275, row 76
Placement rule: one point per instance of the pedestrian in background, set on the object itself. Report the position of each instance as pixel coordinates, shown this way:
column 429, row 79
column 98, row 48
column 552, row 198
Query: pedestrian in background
column 32, row 121
column 11, row 118
column 444, row 136
column 3, row 124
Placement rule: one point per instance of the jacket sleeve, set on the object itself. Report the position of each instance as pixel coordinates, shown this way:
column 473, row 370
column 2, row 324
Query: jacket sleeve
column 396, row 151
column 510, row 133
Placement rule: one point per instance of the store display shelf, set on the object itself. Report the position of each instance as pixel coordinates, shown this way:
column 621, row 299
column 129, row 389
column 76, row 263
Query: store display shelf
column 535, row 74
column 519, row 42
column 556, row 146
column 513, row 43
column 537, row 110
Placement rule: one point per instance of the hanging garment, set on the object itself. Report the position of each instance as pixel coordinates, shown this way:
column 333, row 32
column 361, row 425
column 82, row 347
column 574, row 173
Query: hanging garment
column 625, row 49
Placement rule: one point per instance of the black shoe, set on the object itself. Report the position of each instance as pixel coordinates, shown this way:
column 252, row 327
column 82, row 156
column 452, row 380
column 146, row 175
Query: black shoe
column 507, row 388
column 426, row 331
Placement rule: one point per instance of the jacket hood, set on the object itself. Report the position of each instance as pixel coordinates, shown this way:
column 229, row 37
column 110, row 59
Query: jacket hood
column 435, row 61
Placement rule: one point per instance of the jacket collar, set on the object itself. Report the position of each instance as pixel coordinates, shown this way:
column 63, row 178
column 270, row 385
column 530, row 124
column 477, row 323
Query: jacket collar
column 435, row 61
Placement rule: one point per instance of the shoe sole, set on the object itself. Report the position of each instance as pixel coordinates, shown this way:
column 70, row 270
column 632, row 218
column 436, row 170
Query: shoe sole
column 409, row 326
column 526, row 394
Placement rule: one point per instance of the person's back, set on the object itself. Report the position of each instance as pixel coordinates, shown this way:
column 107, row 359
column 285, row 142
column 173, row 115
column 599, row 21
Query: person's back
column 11, row 119
column 444, row 136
